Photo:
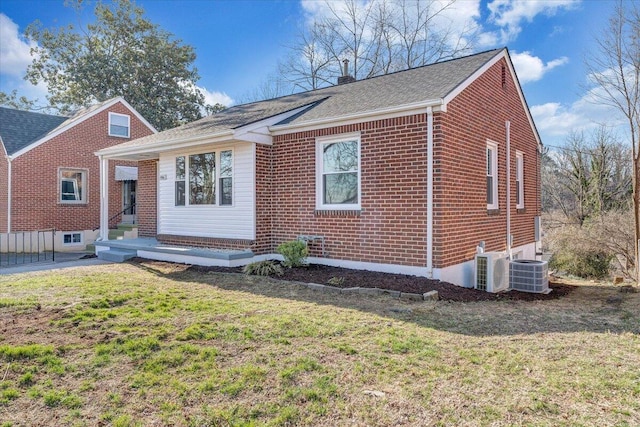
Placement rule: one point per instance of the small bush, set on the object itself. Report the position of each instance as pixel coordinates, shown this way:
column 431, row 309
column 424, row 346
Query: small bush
column 263, row 268
column 593, row 264
column 336, row 281
column 294, row 253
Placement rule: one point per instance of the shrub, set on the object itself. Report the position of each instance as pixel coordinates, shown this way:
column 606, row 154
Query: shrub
column 579, row 250
column 294, row 253
column 263, row 268
column 592, row 264
column 336, row 281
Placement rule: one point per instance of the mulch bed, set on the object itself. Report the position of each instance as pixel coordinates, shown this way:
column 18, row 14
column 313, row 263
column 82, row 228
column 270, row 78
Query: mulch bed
column 400, row 282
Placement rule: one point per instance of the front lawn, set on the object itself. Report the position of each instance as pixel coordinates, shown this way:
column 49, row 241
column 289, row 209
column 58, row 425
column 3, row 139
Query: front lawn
column 158, row 344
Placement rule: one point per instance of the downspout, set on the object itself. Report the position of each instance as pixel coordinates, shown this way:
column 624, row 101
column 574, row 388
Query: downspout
column 104, row 199
column 508, row 129
column 8, row 194
column 430, row 192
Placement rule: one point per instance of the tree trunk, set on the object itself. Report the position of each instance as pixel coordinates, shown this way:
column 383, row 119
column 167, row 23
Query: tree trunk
column 636, row 211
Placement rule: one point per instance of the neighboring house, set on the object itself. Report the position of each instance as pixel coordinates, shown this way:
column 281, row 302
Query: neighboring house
column 50, row 177
column 405, row 172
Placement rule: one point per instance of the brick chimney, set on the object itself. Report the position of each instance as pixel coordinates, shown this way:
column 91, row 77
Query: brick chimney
column 345, row 77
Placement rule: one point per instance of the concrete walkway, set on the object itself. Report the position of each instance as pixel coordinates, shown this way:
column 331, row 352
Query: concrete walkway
column 62, row 260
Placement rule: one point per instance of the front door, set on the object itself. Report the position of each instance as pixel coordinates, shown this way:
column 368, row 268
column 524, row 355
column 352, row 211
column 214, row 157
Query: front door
column 128, row 202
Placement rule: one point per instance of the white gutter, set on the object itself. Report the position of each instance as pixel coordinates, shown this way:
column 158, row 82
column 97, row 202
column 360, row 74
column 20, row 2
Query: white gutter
column 430, row 192
column 508, row 130
column 8, row 194
column 158, row 146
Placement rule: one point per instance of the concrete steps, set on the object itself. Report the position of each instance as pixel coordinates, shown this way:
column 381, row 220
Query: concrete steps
column 116, row 254
column 119, row 233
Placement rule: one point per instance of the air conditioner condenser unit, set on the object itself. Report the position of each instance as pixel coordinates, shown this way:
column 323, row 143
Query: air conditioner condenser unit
column 491, row 272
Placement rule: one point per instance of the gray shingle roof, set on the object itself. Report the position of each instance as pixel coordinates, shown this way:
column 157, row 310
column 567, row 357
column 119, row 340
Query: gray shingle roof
column 430, row 82
column 19, row 128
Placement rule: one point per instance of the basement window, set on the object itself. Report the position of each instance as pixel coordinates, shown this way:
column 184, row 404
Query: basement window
column 72, row 239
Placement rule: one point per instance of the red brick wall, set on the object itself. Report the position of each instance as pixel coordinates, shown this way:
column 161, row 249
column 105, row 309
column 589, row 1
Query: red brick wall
column 264, row 202
column 3, row 190
column 461, row 219
column 391, row 226
column 35, row 188
column 147, row 198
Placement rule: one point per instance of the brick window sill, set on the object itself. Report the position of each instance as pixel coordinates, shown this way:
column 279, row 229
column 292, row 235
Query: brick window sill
column 337, row 212
column 492, row 212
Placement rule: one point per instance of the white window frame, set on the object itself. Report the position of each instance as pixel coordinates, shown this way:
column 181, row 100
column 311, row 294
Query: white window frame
column 72, row 243
column 217, row 198
column 83, row 196
column 111, row 116
column 519, row 180
column 320, row 142
column 492, row 164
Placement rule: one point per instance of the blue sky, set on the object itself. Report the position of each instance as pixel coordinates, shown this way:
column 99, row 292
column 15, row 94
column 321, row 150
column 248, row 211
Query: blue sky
column 238, row 44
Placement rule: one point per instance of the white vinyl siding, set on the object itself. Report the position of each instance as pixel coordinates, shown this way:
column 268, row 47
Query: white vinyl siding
column 234, row 221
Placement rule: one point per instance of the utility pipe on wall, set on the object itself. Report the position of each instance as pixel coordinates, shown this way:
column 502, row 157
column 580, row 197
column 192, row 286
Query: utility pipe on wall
column 430, row 192
column 8, row 194
column 508, row 131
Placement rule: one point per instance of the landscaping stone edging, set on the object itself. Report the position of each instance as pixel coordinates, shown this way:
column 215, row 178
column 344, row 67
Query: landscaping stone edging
column 427, row 296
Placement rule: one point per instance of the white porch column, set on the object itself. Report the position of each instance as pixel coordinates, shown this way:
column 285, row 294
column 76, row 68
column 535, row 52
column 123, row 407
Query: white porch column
column 104, row 199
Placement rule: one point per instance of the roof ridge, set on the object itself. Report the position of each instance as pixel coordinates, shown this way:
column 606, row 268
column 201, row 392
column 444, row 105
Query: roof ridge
column 374, row 77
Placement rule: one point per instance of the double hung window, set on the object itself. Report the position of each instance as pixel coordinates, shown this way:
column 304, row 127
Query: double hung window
column 119, row 125
column 338, row 172
column 492, row 175
column 519, row 180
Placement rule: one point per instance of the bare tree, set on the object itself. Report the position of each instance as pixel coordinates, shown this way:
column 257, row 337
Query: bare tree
column 615, row 71
column 377, row 37
column 590, row 176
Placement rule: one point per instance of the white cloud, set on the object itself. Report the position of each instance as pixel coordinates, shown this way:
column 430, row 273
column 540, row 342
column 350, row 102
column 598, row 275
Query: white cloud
column 556, row 121
column 510, row 14
column 213, row 98
column 531, row 68
column 14, row 50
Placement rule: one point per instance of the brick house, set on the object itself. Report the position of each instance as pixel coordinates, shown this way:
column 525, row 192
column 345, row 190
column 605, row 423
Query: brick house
column 50, row 176
column 400, row 173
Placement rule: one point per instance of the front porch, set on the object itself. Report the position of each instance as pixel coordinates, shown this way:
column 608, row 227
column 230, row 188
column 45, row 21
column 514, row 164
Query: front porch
column 150, row 248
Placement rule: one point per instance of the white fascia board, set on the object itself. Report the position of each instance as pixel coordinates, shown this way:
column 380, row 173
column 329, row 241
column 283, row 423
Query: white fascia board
column 503, row 54
column 79, row 120
column 257, row 132
column 162, row 146
column 385, row 113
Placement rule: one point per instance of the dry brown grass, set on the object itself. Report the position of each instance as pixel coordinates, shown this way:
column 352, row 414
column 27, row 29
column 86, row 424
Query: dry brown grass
column 157, row 344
